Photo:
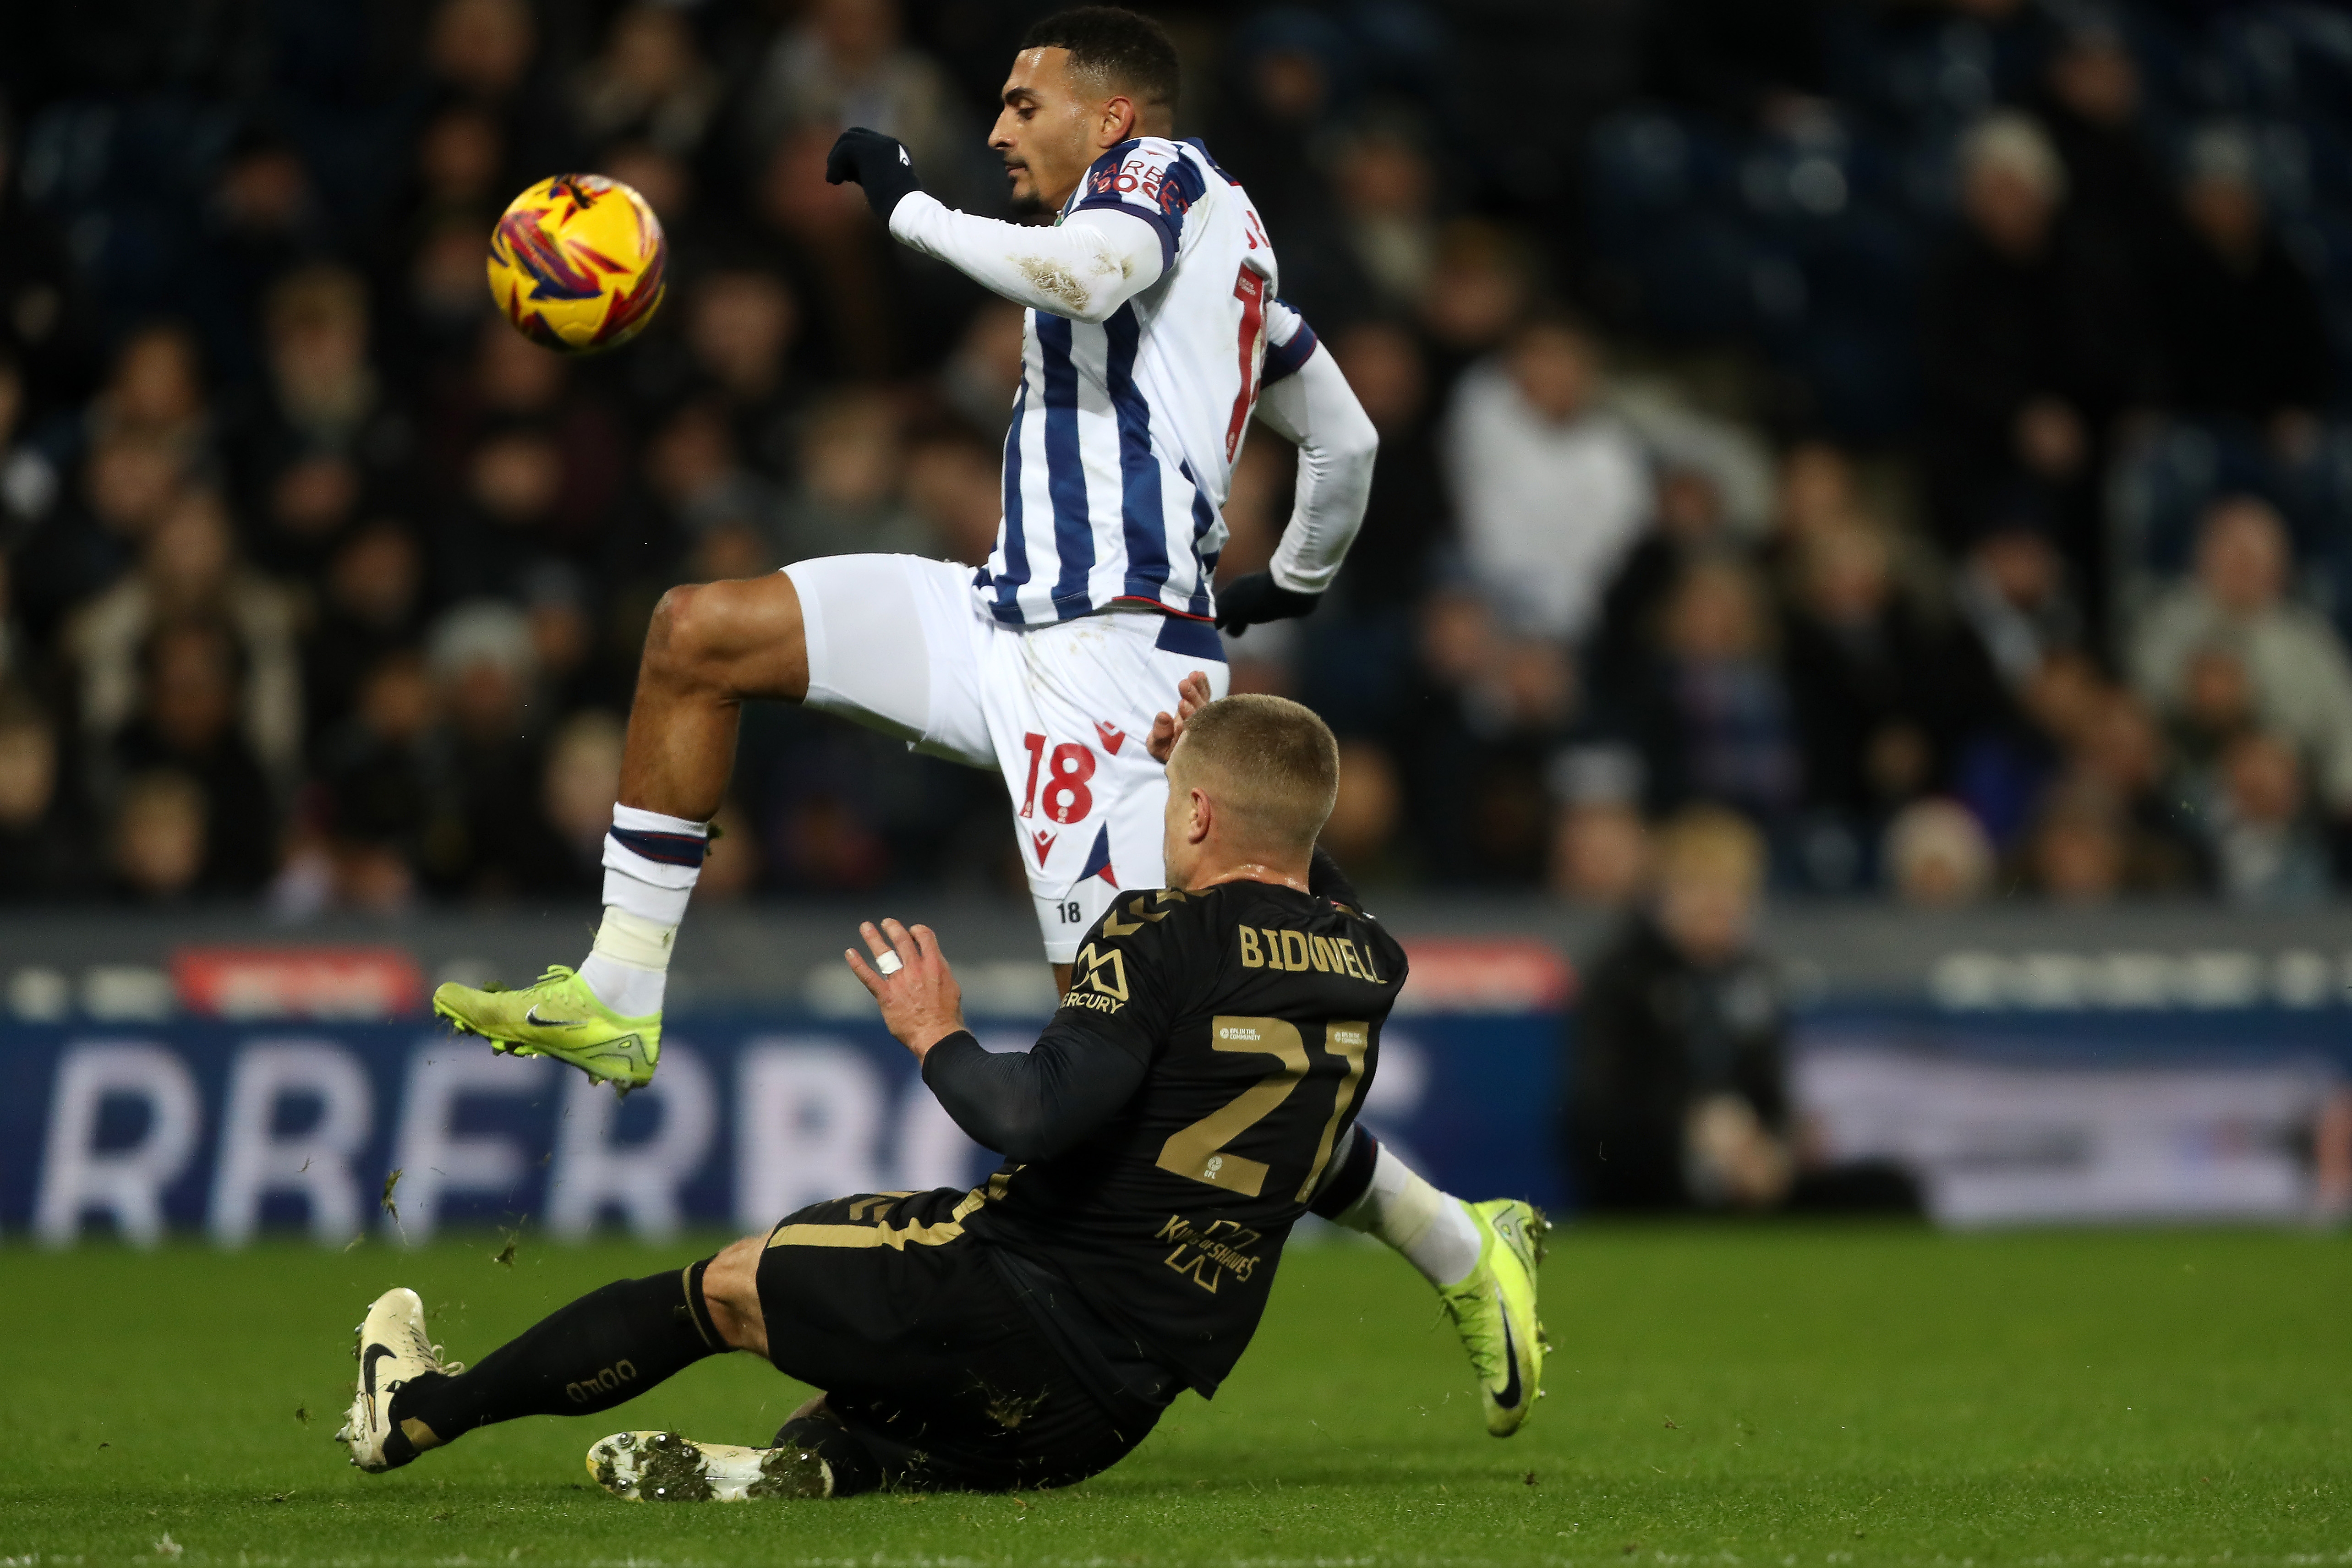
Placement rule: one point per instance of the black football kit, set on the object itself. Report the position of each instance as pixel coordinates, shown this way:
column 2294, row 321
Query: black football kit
column 1170, row 1127
column 1195, row 1094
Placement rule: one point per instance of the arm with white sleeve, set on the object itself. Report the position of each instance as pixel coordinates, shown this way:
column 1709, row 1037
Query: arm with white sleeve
column 1111, row 249
column 1306, row 400
column 1083, row 268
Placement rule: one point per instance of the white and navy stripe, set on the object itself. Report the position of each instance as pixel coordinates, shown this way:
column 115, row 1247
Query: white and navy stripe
column 1116, row 465
column 1288, row 343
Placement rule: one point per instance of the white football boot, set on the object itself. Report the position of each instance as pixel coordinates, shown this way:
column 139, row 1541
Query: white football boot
column 667, row 1466
column 391, row 1349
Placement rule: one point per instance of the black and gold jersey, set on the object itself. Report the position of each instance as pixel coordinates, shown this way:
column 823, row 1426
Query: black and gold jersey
column 1256, row 1011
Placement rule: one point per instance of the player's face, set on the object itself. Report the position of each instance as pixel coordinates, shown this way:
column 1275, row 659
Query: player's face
column 1052, row 128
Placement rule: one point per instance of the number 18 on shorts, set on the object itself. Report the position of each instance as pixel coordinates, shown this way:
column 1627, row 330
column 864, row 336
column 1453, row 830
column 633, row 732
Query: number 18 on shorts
column 1072, row 739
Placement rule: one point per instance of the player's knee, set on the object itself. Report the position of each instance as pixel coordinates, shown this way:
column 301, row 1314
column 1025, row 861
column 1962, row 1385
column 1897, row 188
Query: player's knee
column 679, row 641
column 730, row 1291
column 694, row 636
column 736, row 639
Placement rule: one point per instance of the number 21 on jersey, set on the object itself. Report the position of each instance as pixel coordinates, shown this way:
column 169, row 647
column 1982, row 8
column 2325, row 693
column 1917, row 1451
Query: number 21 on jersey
column 1201, row 1153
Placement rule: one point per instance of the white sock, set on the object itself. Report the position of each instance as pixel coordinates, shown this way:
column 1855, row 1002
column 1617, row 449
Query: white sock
column 628, row 968
column 1433, row 1231
column 651, row 862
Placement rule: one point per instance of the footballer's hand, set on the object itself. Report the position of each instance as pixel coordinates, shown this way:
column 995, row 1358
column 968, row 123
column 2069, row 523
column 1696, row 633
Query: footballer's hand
column 1247, row 600
column 922, row 1003
column 877, row 162
column 1191, row 697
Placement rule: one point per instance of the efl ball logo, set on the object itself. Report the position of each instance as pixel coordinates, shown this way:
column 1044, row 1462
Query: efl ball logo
column 577, row 263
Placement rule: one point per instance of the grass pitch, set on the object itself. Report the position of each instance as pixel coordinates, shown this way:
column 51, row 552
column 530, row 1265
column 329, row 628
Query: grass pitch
column 1759, row 1397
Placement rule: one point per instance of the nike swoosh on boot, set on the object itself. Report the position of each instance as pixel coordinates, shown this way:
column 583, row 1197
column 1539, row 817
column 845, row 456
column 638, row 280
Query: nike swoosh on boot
column 1508, row 1398
column 375, row 1353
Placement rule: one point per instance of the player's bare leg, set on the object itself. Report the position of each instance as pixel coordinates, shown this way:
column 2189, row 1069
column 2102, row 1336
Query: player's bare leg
column 730, row 1290
column 709, row 647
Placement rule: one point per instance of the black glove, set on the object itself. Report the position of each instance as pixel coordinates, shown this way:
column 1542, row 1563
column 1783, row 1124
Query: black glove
column 877, row 162
column 1258, row 597
column 1325, row 880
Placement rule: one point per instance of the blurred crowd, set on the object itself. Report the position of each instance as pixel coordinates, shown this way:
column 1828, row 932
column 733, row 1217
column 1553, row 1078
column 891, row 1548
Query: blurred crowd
column 1913, row 426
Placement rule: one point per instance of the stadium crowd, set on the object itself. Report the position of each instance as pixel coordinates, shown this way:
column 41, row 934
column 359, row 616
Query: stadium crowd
column 1916, row 426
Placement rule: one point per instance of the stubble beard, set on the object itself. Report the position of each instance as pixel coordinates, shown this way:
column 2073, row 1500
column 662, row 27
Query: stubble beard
column 1025, row 204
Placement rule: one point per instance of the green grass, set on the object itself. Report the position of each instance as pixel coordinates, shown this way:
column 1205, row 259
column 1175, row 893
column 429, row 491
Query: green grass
column 1777, row 1397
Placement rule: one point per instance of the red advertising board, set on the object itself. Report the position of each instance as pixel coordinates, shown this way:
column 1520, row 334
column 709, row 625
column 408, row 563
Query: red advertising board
column 354, row 984
column 1486, row 975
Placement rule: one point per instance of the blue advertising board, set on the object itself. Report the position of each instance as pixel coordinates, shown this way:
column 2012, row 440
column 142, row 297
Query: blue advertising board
column 200, row 1126
column 2012, row 1116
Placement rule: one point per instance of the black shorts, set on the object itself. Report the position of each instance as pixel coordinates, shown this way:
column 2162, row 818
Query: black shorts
column 942, row 1375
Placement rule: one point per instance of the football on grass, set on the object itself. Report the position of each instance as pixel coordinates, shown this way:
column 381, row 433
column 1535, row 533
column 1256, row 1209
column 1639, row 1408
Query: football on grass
column 577, row 263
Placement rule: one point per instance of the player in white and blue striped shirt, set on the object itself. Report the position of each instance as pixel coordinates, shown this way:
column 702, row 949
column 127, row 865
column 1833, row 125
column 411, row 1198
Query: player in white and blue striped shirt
column 1135, row 394
column 1153, row 336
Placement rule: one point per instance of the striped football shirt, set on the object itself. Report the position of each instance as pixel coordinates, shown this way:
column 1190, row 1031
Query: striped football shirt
column 1125, row 432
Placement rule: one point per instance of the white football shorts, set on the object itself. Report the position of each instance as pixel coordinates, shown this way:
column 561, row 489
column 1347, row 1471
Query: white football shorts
column 900, row 644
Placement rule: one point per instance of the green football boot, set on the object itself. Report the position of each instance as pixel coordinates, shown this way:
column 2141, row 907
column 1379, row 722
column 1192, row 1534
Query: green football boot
column 561, row 1017
column 1494, row 1311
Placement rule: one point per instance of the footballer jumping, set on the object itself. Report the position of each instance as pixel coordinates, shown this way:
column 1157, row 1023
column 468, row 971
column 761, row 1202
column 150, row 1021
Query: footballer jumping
column 1154, row 333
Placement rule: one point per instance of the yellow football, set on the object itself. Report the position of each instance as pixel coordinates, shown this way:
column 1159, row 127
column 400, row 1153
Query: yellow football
column 577, row 263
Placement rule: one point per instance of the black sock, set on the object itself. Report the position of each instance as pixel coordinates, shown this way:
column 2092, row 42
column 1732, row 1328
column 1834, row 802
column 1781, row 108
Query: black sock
column 853, row 1469
column 1351, row 1178
column 603, row 1349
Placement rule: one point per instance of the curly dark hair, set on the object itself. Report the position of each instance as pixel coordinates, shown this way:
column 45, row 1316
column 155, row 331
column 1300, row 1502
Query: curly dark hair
column 1118, row 46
